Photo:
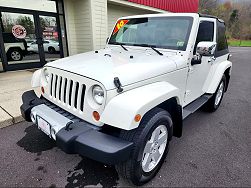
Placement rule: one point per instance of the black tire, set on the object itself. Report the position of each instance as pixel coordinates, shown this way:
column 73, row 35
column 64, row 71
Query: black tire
column 211, row 105
column 15, row 54
column 132, row 169
column 51, row 50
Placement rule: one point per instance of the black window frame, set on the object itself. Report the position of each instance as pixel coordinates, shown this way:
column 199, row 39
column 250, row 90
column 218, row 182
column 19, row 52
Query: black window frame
column 197, row 42
column 225, row 51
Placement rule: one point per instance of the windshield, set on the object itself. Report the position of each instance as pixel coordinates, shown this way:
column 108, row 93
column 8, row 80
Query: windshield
column 160, row 32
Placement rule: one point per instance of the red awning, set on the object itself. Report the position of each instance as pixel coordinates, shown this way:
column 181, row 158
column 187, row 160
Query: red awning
column 171, row 5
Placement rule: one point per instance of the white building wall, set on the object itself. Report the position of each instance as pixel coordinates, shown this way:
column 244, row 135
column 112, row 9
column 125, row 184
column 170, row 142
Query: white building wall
column 40, row 5
column 78, row 25
column 99, row 23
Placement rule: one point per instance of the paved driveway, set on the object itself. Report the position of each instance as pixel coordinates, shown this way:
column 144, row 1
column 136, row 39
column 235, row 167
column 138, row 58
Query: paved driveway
column 215, row 149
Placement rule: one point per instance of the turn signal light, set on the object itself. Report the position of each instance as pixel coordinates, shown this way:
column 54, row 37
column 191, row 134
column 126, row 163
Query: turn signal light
column 137, row 118
column 42, row 89
column 96, row 115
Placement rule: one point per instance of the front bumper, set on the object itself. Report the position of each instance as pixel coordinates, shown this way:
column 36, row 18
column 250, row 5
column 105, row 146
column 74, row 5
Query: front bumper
column 76, row 137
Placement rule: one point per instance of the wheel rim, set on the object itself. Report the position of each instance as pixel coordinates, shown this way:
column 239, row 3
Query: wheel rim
column 15, row 55
column 51, row 50
column 154, row 148
column 219, row 94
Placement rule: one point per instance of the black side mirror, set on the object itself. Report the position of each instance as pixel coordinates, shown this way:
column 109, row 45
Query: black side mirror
column 107, row 40
column 196, row 60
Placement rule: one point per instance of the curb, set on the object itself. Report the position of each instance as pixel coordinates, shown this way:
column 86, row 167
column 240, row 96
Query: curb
column 11, row 121
column 6, row 123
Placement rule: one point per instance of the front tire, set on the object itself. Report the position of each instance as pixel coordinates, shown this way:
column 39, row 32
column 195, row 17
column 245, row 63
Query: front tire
column 151, row 140
column 214, row 102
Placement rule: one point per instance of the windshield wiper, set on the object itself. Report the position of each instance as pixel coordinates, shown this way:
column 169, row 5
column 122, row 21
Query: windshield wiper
column 123, row 47
column 121, row 44
column 150, row 46
column 157, row 51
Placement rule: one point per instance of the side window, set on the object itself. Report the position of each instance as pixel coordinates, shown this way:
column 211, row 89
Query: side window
column 205, row 33
column 221, row 37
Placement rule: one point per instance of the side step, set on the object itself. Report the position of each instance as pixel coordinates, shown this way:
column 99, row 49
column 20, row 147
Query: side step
column 195, row 105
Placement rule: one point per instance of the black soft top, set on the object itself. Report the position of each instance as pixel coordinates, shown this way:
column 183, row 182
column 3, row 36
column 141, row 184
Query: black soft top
column 210, row 16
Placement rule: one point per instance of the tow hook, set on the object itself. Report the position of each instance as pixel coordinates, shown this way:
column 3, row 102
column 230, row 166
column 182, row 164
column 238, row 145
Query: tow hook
column 67, row 127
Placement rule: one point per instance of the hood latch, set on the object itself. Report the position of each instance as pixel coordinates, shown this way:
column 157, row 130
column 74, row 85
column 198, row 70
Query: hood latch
column 117, row 84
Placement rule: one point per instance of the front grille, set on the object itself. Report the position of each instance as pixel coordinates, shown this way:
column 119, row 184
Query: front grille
column 66, row 114
column 67, row 91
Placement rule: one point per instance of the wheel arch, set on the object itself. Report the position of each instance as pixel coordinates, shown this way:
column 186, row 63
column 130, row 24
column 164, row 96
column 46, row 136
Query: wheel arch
column 215, row 76
column 14, row 47
column 175, row 110
column 121, row 110
column 227, row 73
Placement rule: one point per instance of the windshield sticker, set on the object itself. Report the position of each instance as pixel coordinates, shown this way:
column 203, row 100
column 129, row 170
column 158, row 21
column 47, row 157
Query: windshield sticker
column 119, row 25
column 180, row 43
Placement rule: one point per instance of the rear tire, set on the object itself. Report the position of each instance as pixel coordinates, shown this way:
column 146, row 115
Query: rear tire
column 149, row 151
column 51, row 50
column 14, row 54
column 214, row 102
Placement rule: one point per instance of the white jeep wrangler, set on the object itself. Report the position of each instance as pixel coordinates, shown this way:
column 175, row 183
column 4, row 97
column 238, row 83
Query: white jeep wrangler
column 121, row 105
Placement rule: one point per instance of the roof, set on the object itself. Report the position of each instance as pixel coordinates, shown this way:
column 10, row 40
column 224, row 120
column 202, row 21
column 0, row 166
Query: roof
column 171, row 5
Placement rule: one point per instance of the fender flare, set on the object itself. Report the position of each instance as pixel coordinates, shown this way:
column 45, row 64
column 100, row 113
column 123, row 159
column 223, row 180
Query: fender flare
column 215, row 76
column 36, row 79
column 121, row 110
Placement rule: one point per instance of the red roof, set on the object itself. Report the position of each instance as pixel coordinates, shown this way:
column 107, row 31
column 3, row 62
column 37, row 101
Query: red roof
column 171, row 5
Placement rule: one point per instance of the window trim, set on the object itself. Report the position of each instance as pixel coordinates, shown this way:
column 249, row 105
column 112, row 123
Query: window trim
column 215, row 31
column 219, row 53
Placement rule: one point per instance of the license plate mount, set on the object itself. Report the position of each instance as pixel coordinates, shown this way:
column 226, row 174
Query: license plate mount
column 44, row 125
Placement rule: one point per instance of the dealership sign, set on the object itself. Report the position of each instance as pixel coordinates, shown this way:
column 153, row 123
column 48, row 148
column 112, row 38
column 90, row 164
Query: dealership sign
column 19, row 31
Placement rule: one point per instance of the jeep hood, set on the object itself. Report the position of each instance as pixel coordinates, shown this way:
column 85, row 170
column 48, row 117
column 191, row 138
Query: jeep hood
column 128, row 66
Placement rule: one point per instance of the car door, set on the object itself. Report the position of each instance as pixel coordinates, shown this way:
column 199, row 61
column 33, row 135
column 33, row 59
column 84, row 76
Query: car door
column 198, row 73
column 46, row 45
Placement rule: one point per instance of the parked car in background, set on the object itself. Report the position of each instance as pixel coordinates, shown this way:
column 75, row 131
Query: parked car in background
column 29, row 41
column 50, row 46
column 15, row 48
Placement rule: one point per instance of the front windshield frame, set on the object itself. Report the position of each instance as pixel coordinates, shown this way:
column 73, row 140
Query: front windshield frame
column 190, row 19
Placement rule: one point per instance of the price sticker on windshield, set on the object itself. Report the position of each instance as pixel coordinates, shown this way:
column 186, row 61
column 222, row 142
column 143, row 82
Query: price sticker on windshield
column 119, row 25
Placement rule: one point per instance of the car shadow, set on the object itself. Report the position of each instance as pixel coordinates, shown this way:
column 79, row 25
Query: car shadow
column 86, row 173
column 35, row 141
column 92, row 173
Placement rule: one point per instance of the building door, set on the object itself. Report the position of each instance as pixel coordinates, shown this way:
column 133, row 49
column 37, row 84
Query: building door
column 30, row 38
column 50, row 37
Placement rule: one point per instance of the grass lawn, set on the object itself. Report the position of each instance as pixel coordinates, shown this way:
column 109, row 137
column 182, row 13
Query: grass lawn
column 246, row 43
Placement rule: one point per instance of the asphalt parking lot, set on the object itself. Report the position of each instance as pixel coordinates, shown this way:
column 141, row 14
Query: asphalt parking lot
column 215, row 149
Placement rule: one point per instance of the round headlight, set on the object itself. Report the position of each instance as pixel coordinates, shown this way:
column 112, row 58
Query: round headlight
column 98, row 94
column 46, row 75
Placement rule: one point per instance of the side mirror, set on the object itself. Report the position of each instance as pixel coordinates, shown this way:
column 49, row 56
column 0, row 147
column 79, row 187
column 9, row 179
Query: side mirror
column 107, row 39
column 203, row 49
column 206, row 48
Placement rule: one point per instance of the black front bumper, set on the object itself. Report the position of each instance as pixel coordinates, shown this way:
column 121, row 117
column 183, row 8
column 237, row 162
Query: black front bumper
column 80, row 137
